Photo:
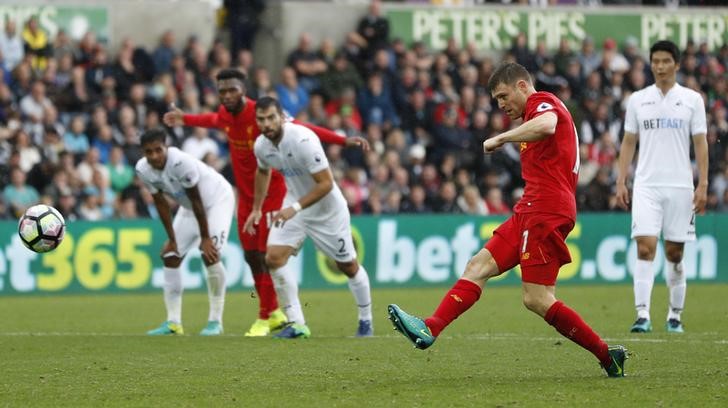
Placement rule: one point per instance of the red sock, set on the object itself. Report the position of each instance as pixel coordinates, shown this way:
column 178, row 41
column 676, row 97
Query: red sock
column 459, row 299
column 267, row 299
column 571, row 325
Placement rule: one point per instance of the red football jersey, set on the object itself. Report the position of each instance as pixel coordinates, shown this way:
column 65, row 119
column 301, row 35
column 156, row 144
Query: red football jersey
column 550, row 167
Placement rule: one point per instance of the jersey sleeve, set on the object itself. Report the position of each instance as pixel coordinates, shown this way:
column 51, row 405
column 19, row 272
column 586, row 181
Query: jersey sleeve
column 539, row 105
column 325, row 135
column 186, row 171
column 139, row 169
column 697, row 120
column 258, row 151
column 204, row 120
column 311, row 154
column 631, row 124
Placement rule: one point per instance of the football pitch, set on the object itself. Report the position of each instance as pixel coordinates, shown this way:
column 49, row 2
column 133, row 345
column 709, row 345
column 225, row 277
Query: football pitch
column 90, row 350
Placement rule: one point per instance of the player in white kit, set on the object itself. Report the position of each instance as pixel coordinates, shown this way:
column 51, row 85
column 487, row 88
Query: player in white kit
column 313, row 206
column 206, row 211
column 665, row 116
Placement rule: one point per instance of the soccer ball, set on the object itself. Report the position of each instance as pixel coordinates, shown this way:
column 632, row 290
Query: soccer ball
column 41, row 228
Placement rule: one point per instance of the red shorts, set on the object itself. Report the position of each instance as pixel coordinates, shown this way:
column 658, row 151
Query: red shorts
column 536, row 241
column 259, row 240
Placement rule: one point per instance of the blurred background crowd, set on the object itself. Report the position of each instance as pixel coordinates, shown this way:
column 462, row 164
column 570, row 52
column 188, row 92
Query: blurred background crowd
column 71, row 115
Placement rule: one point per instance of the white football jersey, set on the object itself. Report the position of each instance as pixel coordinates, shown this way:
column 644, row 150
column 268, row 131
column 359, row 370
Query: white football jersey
column 298, row 155
column 665, row 124
column 183, row 171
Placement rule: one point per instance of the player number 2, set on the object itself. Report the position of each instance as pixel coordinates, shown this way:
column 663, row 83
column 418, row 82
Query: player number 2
column 343, row 245
column 525, row 240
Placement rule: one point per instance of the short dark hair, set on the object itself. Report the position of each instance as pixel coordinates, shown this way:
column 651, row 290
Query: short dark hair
column 231, row 73
column 154, row 135
column 508, row 73
column 667, row 46
column 268, row 101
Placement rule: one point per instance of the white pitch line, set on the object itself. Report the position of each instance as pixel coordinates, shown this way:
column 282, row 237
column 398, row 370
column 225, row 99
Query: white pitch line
column 480, row 337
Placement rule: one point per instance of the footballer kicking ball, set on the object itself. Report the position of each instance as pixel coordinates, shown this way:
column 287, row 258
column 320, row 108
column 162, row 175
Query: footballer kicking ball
column 41, row 228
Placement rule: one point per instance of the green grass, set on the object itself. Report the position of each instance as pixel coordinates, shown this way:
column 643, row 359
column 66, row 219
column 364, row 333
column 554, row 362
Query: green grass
column 89, row 351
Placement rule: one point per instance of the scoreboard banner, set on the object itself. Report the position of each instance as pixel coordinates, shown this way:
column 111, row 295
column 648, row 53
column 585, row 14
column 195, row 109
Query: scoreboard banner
column 492, row 28
column 398, row 251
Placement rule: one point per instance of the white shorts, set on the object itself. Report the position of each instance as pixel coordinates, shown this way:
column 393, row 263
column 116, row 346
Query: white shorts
column 331, row 235
column 663, row 209
column 219, row 219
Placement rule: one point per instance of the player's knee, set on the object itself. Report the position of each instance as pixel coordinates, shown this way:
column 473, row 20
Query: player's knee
column 172, row 261
column 275, row 260
column 673, row 254
column 532, row 302
column 645, row 252
column 477, row 269
column 348, row 268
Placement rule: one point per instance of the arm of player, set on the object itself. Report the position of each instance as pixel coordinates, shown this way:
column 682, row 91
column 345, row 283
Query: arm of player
column 331, row 137
column 538, row 128
column 700, row 143
column 626, row 154
column 177, row 117
column 207, row 247
column 324, row 183
column 169, row 249
column 262, row 180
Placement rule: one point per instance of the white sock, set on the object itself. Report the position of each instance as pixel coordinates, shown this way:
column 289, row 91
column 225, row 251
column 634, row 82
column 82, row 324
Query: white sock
column 216, row 291
column 677, row 286
column 359, row 286
column 644, row 278
column 173, row 294
column 286, row 287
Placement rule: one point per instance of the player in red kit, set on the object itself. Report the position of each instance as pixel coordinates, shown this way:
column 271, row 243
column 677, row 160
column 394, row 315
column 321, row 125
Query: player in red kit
column 236, row 117
column 534, row 236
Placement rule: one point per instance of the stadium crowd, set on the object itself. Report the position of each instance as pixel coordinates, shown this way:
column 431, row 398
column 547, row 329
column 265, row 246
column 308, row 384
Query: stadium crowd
column 71, row 115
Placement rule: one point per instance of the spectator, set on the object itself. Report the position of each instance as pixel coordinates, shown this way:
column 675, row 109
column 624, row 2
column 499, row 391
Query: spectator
column 243, row 22
column 120, row 173
column 416, row 201
column 200, row 144
column 340, row 76
column 75, row 138
column 89, row 165
column 446, row 201
column 375, row 104
column 11, row 46
column 373, row 29
column 494, row 202
column 307, row 64
column 36, row 44
column 33, row 106
column 164, row 53
column 470, row 202
column 18, row 195
column 292, row 96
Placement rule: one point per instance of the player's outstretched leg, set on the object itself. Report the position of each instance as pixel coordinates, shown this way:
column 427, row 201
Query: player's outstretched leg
column 411, row 327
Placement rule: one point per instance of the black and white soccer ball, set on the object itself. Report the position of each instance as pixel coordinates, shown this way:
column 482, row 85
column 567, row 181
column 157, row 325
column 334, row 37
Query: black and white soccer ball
column 41, row 228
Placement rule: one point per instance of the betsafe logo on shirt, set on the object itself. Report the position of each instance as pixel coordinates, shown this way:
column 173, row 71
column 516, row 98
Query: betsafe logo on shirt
column 662, row 123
